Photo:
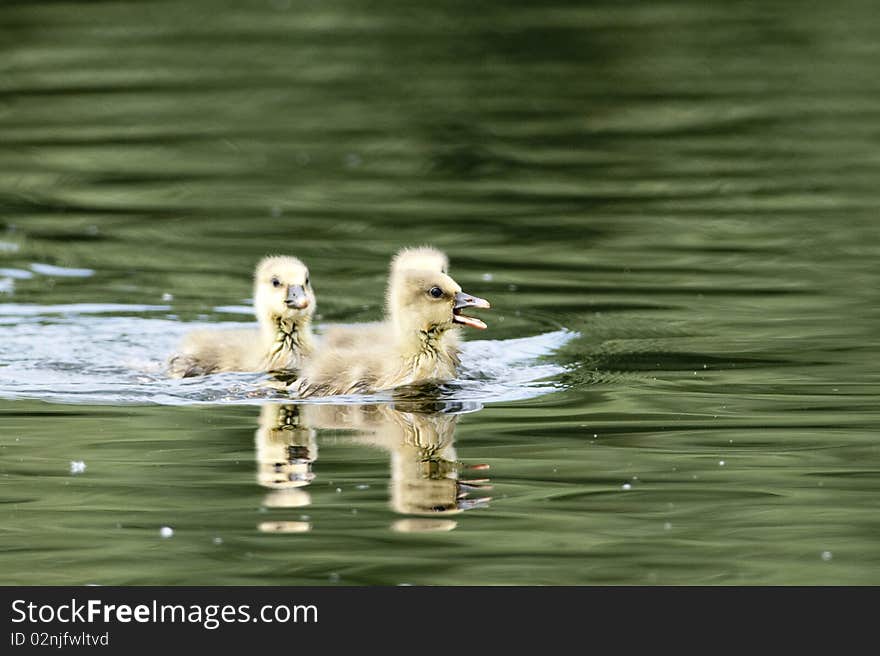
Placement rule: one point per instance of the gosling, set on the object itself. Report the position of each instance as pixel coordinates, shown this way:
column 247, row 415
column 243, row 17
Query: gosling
column 363, row 335
column 284, row 303
column 419, row 341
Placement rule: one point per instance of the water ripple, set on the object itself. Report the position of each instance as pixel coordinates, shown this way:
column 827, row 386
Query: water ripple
column 82, row 357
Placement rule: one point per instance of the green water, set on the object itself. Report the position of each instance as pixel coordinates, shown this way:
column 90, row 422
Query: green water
column 687, row 189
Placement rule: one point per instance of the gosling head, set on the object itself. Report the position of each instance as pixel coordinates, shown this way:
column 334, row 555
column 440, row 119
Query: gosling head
column 430, row 301
column 422, row 258
column 282, row 289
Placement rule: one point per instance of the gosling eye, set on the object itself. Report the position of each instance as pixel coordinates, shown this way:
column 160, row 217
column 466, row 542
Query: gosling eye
column 436, row 292
column 276, row 282
column 307, row 281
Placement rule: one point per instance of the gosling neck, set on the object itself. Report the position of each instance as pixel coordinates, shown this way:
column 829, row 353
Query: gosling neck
column 438, row 342
column 287, row 339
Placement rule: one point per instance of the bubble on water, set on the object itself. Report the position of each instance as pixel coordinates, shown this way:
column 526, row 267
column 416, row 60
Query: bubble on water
column 217, row 540
column 721, row 463
column 362, row 486
column 166, row 297
column 77, row 466
column 626, row 486
column 334, row 577
column 827, row 555
column 487, row 277
column 338, row 490
column 667, row 526
column 166, row 532
column 276, row 211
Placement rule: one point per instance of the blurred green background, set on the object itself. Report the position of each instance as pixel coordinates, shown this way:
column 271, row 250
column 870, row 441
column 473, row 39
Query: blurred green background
column 691, row 187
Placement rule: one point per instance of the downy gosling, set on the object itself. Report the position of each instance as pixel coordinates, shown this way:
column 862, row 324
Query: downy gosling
column 284, row 303
column 418, row 342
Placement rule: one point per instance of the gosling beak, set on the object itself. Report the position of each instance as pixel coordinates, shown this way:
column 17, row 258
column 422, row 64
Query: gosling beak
column 462, row 301
column 297, row 298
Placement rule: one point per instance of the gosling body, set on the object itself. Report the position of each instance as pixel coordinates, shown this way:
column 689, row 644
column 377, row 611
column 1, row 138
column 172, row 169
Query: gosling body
column 418, row 342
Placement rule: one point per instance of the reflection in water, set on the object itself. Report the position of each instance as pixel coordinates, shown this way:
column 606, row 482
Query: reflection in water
column 285, row 452
column 418, row 435
column 286, row 448
column 285, row 527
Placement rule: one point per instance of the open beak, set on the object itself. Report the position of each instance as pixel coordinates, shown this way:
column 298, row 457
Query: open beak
column 462, row 301
column 297, row 297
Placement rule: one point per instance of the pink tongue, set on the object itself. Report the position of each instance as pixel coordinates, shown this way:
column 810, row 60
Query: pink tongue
column 469, row 321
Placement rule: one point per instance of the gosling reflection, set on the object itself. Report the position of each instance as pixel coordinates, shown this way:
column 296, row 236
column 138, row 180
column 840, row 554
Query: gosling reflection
column 285, row 450
column 419, row 436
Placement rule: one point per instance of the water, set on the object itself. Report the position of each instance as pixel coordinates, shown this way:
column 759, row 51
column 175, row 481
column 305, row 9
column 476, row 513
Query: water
column 672, row 208
column 123, row 359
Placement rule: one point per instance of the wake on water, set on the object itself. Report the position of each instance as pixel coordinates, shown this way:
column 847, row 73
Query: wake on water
column 107, row 354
